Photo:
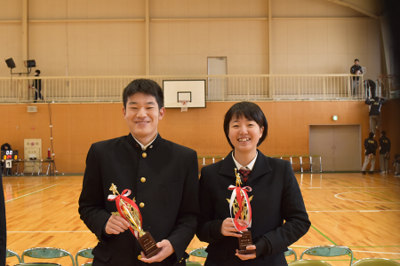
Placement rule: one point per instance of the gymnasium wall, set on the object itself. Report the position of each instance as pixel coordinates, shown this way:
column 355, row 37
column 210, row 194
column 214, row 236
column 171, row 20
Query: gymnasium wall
column 308, row 37
column 77, row 126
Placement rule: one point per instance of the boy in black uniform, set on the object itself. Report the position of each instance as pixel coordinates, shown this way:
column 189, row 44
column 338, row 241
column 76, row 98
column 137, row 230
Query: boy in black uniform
column 384, row 149
column 370, row 147
column 375, row 119
column 355, row 69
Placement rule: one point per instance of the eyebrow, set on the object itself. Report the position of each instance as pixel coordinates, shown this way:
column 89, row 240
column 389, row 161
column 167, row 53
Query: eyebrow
column 151, row 103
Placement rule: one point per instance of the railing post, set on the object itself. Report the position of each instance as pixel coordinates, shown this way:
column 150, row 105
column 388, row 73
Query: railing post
column 248, row 89
column 273, row 87
column 324, row 87
column 95, row 90
column 224, row 82
column 70, row 92
column 298, row 87
column 349, row 88
column 44, row 90
column 363, row 87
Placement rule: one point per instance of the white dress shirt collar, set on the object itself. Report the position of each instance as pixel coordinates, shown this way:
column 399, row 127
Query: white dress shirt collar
column 249, row 166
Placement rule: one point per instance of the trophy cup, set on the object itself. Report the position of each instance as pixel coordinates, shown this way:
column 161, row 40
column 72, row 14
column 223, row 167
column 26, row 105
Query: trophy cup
column 128, row 210
column 239, row 206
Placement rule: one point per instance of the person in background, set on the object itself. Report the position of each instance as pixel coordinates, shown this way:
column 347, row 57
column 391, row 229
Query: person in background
column 396, row 163
column 370, row 88
column 5, row 147
column 384, row 150
column 37, row 85
column 370, row 150
column 355, row 69
column 375, row 119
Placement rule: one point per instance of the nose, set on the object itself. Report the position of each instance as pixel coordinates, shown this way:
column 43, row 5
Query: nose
column 141, row 113
column 243, row 129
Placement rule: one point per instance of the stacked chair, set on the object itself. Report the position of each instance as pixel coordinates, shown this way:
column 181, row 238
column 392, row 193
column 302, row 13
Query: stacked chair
column 198, row 252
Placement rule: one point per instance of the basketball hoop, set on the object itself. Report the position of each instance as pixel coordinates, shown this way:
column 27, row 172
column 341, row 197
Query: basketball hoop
column 184, row 107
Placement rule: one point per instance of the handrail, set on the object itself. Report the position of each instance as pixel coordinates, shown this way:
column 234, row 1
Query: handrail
column 266, row 87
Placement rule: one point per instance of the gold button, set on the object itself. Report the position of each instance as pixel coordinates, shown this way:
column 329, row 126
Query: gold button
column 144, row 155
column 141, row 205
column 139, row 257
column 143, row 179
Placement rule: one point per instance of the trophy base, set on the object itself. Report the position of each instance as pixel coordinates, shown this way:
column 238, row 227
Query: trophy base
column 245, row 241
column 148, row 245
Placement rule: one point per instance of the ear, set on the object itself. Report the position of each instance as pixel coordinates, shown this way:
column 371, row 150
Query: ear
column 123, row 111
column 161, row 113
column 261, row 131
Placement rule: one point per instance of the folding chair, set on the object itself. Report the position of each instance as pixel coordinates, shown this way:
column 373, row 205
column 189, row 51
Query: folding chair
column 10, row 253
column 38, row 264
column 46, row 253
column 328, row 251
column 309, row 263
column 198, row 252
column 291, row 252
column 86, row 253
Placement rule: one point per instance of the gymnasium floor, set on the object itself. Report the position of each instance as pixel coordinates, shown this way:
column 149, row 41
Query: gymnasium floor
column 361, row 212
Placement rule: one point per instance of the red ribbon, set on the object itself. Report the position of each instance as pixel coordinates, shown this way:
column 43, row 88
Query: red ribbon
column 239, row 197
column 122, row 198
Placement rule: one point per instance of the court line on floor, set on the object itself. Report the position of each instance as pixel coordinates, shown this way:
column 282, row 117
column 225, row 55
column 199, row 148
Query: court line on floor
column 52, row 232
column 34, row 192
column 356, row 211
column 366, row 192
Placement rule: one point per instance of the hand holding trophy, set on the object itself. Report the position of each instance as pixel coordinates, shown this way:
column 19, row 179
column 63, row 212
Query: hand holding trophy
column 128, row 210
column 240, row 209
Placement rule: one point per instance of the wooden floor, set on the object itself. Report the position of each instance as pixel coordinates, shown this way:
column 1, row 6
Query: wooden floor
column 361, row 212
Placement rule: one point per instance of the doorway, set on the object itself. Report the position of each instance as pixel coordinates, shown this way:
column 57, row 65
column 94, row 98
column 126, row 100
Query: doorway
column 217, row 89
column 339, row 146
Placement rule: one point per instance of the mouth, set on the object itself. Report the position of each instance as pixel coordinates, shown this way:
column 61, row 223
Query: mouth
column 142, row 122
column 243, row 139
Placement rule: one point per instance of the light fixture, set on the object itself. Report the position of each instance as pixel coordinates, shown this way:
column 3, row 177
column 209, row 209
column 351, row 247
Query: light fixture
column 28, row 64
column 335, row 118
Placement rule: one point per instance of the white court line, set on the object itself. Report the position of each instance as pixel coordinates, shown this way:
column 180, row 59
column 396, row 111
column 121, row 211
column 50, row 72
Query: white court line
column 358, row 211
column 52, row 232
column 36, row 191
column 337, row 196
column 340, row 187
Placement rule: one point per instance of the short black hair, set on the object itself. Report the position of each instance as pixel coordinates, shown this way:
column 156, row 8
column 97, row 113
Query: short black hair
column 383, row 133
column 371, row 134
column 37, row 71
column 250, row 111
column 356, row 60
column 146, row 86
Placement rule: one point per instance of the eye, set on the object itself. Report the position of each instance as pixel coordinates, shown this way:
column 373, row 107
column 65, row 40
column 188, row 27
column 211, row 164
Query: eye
column 235, row 126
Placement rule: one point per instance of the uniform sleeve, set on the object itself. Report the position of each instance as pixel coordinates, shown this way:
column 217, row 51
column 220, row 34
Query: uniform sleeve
column 351, row 70
column 209, row 229
column 91, row 201
column 294, row 213
column 186, row 223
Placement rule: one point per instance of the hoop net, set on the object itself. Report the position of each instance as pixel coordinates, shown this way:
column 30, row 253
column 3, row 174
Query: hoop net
column 184, row 106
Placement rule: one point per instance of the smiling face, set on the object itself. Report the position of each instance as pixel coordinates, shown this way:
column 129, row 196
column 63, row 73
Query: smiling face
column 244, row 134
column 142, row 115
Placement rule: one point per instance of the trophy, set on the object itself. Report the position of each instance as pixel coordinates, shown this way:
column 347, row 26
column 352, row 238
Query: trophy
column 128, row 210
column 239, row 207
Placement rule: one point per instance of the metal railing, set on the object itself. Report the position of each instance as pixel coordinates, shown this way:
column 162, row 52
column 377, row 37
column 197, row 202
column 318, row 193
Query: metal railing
column 218, row 88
